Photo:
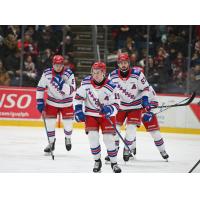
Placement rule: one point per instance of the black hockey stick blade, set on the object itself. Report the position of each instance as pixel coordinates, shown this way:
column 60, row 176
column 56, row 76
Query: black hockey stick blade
column 189, row 100
column 194, row 167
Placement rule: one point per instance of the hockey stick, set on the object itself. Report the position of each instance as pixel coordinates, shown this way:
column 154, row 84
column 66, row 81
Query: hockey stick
column 100, row 105
column 45, row 125
column 188, row 101
column 194, row 167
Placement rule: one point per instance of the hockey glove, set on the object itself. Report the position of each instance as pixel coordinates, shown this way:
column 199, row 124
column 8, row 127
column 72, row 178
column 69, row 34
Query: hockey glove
column 145, row 103
column 147, row 117
column 40, row 105
column 107, row 110
column 79, row 115
column 59, row 81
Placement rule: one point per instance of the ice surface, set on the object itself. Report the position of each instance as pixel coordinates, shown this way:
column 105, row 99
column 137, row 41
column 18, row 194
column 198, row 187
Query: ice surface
column 21, row 150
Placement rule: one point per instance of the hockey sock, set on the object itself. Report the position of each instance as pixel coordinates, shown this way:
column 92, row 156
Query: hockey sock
column 109, row 141
column 68, row 125
column 130, row 135
column 95, row 147
column 158, row 140
column 50, row 122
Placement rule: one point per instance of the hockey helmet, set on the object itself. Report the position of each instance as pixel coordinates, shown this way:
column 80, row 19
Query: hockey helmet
column 58, row 59
column 99, row 65
column 123, row 57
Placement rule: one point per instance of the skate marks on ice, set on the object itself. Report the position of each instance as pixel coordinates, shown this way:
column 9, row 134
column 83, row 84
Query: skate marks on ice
column 21, row 150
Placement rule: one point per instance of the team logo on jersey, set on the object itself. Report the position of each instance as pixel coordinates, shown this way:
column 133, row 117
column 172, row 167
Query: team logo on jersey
column 106, row 98
column 134, row 86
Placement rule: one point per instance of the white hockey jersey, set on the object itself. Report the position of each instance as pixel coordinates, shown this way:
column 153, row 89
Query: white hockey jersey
column 92, row 95
column 131, row 88
column 58, row 98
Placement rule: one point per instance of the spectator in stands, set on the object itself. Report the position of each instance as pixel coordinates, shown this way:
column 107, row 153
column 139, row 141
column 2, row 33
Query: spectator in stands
column 29, row 72
column 179, row 69
column 15, row 30
column 44, row 61
column 12, row 65
column 9, row 45
column 195, row 74
column 130, row 46
column 197, row 46
column 133, row 58
column 4, row 76
column 195, row 59
column 68, row 64
column 47, row 39
column 66, row 46
column 123, row 34
column 160, row 57
column 161, row 63
column 29, row 47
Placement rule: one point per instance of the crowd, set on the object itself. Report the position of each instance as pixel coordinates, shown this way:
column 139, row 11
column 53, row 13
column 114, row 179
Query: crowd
column 167, row 58
column 168, row 53
column 41, row 43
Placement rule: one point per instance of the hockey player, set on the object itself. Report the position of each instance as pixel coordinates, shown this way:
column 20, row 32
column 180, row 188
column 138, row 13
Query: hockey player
column 131, row 83
column 150, row 122
column 101, row 101
column 60, row 84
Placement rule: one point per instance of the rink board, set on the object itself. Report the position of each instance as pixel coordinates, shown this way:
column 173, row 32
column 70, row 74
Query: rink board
column 18, row 108
column 30, row 123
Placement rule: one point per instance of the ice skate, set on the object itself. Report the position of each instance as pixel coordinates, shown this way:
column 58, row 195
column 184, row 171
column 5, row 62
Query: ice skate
column 126, row 155
column 164, row 155
column 97, row 166
column 132, row 154
column 68, row 144
column 51, row 145
column 116, row 168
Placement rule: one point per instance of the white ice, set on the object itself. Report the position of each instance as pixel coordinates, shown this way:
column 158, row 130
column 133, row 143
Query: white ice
column 21, row 150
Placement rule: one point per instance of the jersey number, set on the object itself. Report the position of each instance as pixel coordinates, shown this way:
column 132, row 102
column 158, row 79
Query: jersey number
column 143, row 80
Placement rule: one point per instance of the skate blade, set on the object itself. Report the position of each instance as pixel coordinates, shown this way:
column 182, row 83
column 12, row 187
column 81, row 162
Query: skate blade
column 97, row 172
column 132, row 158
column 166, row 160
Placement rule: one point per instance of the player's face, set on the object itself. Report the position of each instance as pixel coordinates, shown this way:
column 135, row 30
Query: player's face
column 123, row 65
column 58, row 67
column 97, row 75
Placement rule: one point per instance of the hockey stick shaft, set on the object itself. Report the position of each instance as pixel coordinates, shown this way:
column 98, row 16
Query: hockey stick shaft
column 188, row 101
column 194, row 167
column 45, row 125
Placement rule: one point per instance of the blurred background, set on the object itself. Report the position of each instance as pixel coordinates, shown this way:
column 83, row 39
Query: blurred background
column 169, row 54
